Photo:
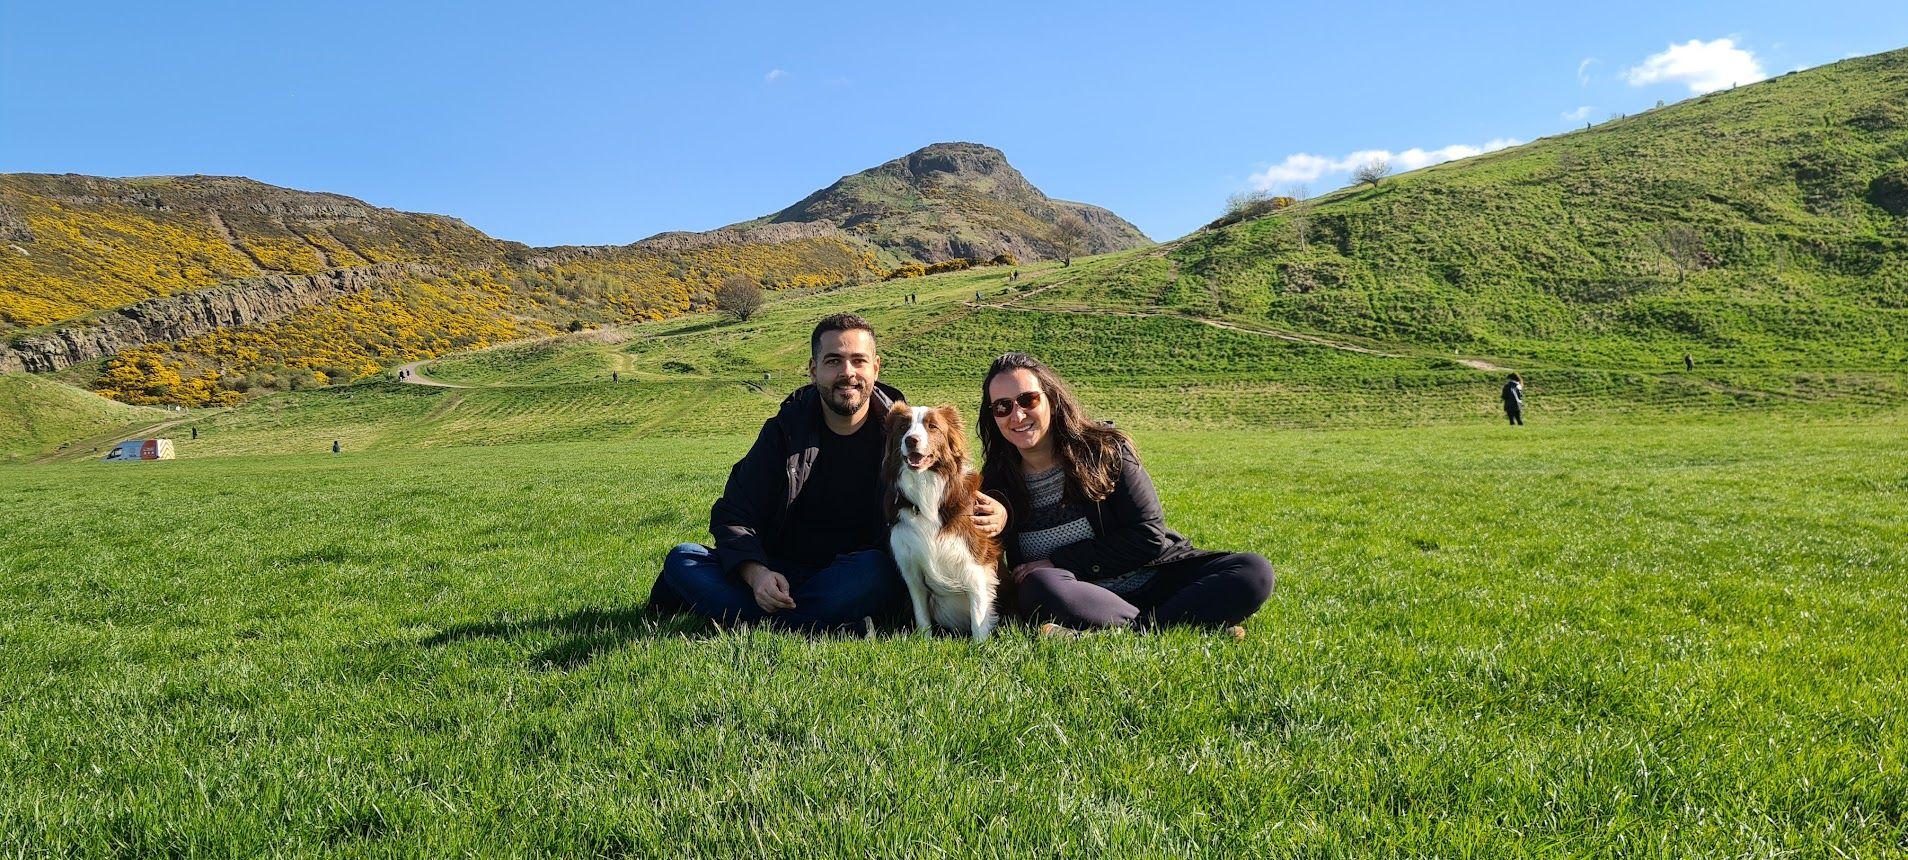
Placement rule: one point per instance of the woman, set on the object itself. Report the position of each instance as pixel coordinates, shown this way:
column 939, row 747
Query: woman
column 1514, row 399
column 1085, row 534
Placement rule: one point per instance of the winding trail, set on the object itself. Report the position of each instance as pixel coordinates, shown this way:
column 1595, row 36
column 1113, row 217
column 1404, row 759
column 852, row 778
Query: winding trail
column 1293, row 336
column 409, row 373
column 109, row 440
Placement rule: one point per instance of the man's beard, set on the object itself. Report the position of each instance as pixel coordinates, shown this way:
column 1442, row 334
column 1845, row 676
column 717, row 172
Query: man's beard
column 835, row 400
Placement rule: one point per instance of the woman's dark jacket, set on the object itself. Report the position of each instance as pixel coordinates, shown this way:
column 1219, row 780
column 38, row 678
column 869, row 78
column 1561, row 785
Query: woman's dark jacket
column 1129, row 527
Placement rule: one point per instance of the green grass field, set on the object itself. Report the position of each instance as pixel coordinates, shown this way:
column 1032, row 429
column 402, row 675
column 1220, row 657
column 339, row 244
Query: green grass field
column 1659, row 639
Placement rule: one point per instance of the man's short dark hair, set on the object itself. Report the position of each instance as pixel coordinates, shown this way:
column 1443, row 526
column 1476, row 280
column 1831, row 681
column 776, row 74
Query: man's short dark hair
column 837, row 322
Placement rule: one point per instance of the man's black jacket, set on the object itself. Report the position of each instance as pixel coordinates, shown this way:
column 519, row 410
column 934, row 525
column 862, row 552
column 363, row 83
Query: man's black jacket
column 754, row 504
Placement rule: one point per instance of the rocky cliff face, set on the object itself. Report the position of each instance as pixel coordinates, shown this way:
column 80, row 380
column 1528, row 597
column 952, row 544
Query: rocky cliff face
column 956, row 200
column 246, row 301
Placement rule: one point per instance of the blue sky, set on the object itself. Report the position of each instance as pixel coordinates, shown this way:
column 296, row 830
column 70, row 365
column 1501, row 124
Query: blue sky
column 572, row 122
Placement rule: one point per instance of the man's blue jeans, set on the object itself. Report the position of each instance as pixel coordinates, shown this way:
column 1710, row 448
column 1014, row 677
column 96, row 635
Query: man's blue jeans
column 848, row 588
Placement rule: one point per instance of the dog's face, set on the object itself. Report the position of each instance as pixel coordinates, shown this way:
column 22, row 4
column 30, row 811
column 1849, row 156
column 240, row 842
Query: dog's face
column 921, row 439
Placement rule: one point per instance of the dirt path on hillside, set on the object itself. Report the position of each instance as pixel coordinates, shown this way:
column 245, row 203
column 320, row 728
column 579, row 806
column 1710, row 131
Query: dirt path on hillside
column 231, row 239
column 96, row 445
column 1011, row 303
column 410, row 374
column 1292, row 336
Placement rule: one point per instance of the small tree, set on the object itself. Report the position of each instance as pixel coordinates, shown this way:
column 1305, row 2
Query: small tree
column 1299, row 214
column 1684, row 248
column 1252, row 204
column 1372, row 172
column 739, row 296
column 1070, row 236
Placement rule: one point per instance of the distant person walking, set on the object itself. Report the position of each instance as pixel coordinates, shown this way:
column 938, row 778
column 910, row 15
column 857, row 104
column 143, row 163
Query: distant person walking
column 334, row 446
column 1514, row 400
column 1688, row 363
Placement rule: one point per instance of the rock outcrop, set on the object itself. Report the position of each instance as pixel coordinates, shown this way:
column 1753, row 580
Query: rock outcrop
column 956, row 200
column 247, row 301
column 681, row 241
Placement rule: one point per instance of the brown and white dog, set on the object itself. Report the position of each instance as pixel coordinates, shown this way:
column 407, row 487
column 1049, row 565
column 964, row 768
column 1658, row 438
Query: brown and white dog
column 949, row 566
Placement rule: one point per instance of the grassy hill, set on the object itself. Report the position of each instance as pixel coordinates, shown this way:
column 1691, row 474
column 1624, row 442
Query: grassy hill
column 39, row 415
column 1762, row 226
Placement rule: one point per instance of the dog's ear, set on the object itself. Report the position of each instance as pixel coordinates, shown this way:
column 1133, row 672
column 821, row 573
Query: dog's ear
column 891, row 464
column 956, row 434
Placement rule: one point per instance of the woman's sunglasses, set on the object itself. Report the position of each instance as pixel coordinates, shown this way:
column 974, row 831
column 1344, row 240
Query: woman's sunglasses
column 1005, row 406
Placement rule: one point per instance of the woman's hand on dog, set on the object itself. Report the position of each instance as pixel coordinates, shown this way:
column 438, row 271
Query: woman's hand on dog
column 770, row 588
column 990, row 516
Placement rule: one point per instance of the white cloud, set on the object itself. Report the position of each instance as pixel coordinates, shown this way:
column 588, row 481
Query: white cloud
column 1704, row 67
column 1578, row 115
column 1583, row 70
column 1306, row 167
column 774, row 75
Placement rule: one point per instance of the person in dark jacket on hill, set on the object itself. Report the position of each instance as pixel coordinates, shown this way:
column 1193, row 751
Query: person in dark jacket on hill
column 1086, row 537
column 800, row 539
column 1514, row 399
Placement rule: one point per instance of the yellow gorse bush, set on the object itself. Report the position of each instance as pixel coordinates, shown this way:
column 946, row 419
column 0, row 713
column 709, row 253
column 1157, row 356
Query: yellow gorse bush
column 84, row 260
column 355, row 336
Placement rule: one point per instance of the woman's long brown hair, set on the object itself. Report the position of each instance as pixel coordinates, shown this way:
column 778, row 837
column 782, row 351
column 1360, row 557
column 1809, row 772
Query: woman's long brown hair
column 1088, row 450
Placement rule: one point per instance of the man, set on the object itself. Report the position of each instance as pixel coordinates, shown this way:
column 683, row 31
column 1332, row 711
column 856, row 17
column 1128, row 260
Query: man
column 800, row 537
column 1514, row 399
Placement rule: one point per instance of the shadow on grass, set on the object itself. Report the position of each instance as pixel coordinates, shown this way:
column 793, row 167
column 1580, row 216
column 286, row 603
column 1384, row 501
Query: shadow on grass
column 582, row 635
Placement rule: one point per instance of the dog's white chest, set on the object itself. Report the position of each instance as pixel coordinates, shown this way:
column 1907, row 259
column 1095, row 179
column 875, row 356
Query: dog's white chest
column 947, row 584
column 942, row 560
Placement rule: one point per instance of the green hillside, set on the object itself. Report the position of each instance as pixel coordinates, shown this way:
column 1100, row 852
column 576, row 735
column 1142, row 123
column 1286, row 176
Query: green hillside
column 40, row 415
column 702, row 375
column 1765, row 226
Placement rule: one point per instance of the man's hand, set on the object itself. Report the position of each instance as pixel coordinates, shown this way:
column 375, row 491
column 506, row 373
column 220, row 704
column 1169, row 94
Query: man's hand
column 990, row 516
column 770, row 588
column 1021, row 570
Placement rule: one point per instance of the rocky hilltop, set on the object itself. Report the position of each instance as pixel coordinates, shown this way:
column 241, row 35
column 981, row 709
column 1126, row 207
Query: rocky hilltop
column 953, row 200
